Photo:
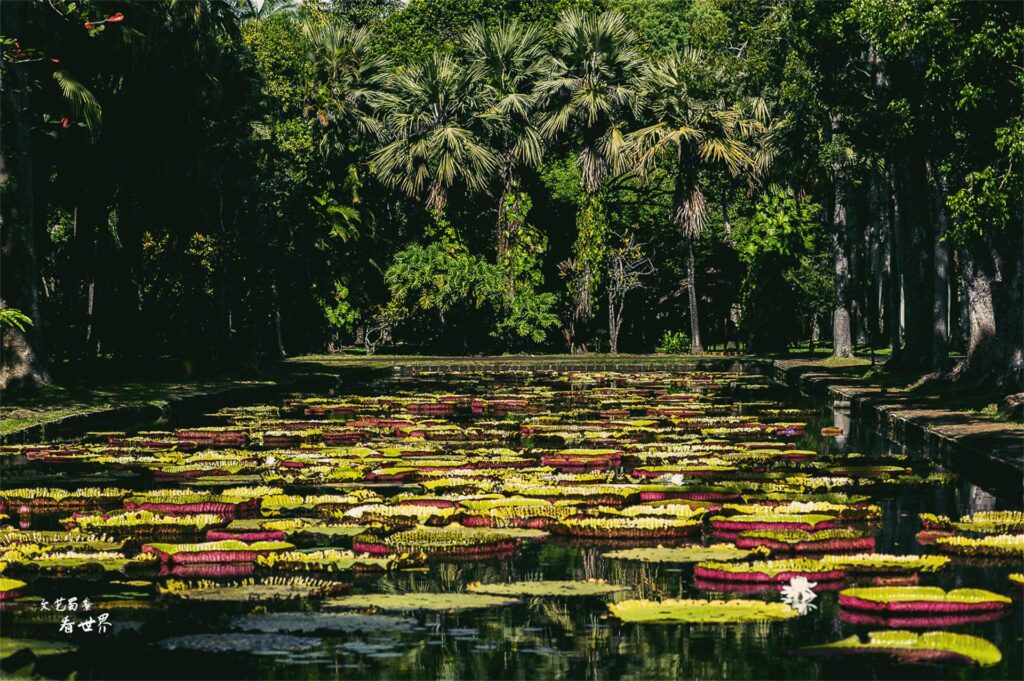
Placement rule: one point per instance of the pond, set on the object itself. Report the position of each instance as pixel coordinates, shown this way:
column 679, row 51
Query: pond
column 386, row 534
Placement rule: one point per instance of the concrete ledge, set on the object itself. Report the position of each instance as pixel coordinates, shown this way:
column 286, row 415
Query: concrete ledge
column 988, row 453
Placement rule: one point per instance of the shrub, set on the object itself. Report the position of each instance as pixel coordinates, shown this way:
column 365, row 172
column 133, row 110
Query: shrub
column 674, row 343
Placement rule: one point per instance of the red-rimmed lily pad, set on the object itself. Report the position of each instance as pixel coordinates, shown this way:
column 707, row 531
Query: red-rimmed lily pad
column 214, row 552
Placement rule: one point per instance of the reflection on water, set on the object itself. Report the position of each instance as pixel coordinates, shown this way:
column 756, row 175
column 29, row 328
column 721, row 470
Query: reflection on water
column 540, row 638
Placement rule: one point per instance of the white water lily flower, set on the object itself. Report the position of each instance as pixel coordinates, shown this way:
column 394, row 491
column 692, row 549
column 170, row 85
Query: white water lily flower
column 270, row 461
column 799, row 593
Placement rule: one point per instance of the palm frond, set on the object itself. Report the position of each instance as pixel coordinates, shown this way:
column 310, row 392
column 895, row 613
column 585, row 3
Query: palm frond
column 81, row 99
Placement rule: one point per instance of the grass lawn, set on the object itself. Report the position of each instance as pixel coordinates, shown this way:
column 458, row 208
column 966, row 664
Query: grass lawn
column 55, row 402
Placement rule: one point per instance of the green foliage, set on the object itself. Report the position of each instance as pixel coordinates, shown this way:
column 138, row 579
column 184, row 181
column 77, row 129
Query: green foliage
column 782, row 246
column 590, row 252
column 991, row 197
column 423, row 27
column 14, row 318
column 444, row 276
column 674, row 343
column 438, row 278
column 338, row 310
column 304, row 146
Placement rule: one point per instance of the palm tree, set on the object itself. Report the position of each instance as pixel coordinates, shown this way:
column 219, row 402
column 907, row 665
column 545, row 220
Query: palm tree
column 511, row 60
column 435, row 114
column 349, row 77
column 259, row 10
column 593, row 89
column 697, row 130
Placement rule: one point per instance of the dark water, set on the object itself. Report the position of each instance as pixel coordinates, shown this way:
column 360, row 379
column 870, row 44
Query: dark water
column 568, row 638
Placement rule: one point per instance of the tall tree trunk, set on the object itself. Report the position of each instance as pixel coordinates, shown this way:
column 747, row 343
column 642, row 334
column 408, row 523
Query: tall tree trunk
column 696, row 347
column 224, row 336
column 504, row 225
column 940, row 278
column 510, row 223
column 1010, row 315
column 993, row 279
column 278, row 337
column 894, row 256
column 892, row 219
column 981, row 314
column 876, row 245
column 613, row 326
column 842, row 344
column 917, row 251
column 22, row 178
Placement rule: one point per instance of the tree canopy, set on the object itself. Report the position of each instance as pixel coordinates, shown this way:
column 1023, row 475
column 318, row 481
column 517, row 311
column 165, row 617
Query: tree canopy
column 232, row 180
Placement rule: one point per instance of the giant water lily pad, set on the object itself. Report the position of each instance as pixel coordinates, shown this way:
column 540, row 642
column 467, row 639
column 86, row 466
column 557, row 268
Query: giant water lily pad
column 10, row 588
column 684, row 554
column 699, row 611
column 983, row 522
column 59, row 541
column 774, row 521
column 450, row 541
column 443, row 602
column 9, row 646
column 801, row 541
column 313, row 622
column 929, row 647
column 227, row 551
column 589, row 587
column 768, row 571
column 1000, row 545
column 881, row 563
column 925, row 599
column 270, row 589
column 628, row 528
column 333, row 560
column 33, row 558
column 137, row 522
column 262, row 644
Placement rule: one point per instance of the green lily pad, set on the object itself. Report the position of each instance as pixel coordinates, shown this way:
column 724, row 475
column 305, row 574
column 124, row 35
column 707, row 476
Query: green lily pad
column 989, row 545
column 270, row 589
column 685, row 554
column 886, row 563
column 921, row 594
column 548, row 588
column 699, row 612
column 263, row 644
column 10, row 584
column 313, row 622
column 330, row 560
column 910, row 647
column 9, row 646
column 440, row 602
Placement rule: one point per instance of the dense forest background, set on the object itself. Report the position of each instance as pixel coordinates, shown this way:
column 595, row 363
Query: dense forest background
column 223, row 182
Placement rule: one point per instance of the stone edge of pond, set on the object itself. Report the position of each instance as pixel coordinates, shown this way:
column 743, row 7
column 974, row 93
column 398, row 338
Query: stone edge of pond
column 989, row 453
